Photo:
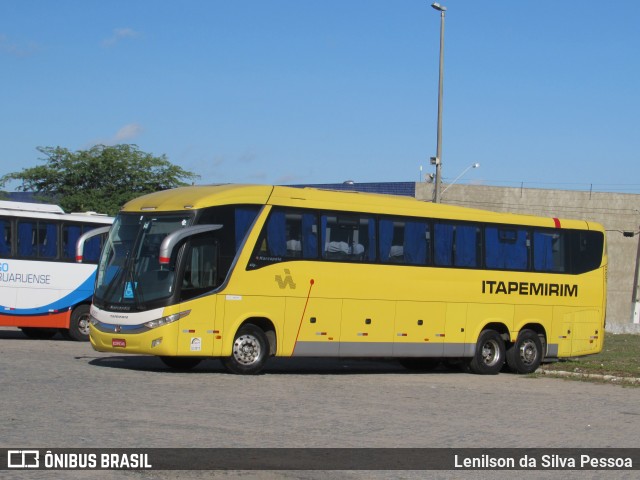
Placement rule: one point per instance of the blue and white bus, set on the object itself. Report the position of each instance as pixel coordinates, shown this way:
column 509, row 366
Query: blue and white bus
column 42, row 288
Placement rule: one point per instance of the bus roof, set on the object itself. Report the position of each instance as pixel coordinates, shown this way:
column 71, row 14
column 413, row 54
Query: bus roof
column 30, row 207
column 48, row 211
column 197, row 197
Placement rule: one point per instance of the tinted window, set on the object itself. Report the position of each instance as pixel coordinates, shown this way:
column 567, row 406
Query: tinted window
column 286, row 235
column 456, row 245
column 507, row 248
column 404, row 241
column 347, row 237
column 201, row 267
column 549, row 251
column 587, row 248
column 5, row 236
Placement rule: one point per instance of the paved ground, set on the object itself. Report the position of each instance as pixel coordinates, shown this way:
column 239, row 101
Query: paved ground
column 61, row 394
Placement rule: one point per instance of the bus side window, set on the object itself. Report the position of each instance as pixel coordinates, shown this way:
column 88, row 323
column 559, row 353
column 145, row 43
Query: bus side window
column 405, row 242
column 287, row 234
column 443, row 244
column 70, row 235
column 457, row 245
column 347, row 237
column 244, row 217
column 5, row 237
column 47, row 240
column 201, row 270
column 93, row 246
column 466, row 246
column 391, row 237
column 506, row 248
column 548, row 252
column 26, row 239
column 293, row 235
column 301, row 235
column 277, row 234
column 309, row 235
column 416, row 243
column 587, row 249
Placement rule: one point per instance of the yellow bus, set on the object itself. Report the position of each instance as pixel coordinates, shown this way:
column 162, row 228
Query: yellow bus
column 245, row 272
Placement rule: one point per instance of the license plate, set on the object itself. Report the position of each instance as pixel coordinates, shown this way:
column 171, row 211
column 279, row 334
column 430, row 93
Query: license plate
column 118, row 342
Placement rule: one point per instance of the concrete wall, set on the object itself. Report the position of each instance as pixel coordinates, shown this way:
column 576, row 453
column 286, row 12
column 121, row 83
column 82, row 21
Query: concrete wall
column 618, row 212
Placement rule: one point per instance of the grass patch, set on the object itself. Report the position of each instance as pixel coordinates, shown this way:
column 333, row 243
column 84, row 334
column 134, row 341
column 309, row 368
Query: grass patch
column 620, row 357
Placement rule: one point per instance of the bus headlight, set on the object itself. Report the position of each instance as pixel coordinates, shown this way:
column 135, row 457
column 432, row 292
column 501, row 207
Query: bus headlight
column 159, row 322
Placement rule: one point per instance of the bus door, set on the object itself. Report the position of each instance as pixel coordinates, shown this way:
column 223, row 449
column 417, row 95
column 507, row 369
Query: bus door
column 199, row 328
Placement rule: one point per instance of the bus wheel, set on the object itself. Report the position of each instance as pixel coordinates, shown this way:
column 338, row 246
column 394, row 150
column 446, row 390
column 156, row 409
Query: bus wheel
column 250, row 351
column 79, row 324
column 39, row 333
column 525, row 355
column 490, row 354
column 181, row 363
column 425, row 364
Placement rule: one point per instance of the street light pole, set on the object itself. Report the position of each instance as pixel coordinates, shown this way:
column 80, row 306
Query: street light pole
column 473, row 165
column 438, row 158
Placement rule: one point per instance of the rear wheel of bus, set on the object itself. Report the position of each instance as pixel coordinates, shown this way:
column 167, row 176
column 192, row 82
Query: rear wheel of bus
column 489, row 356
column 525, row 354
column 250, row 351
column 78, row 324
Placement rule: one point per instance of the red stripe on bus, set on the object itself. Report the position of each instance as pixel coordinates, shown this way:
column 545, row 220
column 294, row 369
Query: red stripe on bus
column 557, row 222
column 47, row 320
column 311, row 282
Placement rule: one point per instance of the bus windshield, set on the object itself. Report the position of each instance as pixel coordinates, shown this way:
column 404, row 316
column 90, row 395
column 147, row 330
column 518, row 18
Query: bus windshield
column 130, row 273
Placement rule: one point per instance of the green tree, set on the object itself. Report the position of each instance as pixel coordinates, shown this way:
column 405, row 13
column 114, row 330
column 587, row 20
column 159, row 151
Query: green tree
column 100, row 179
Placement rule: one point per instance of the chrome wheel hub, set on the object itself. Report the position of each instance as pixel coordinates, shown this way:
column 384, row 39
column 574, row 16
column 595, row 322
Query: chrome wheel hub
column 246, row 349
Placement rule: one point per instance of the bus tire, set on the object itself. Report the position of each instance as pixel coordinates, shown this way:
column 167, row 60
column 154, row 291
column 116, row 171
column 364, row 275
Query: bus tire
column 181, row 363
column 525, row 354
column 39, row 333
column 489, row 356
column 250, row 351
column 79, row 324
